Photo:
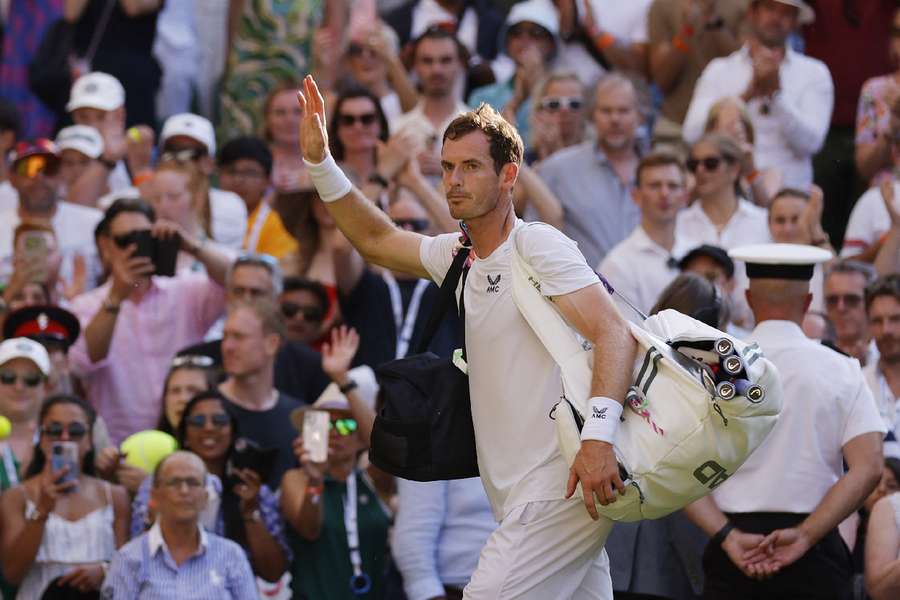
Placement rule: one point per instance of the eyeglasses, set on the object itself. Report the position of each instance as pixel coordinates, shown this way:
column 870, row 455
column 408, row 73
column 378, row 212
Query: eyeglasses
column 535, row 32
column 192, row 360
column 365, row 119
column 75, row 429
column 344, row 426
column 176, row 483
column 10, row 378
column 357, row 50
column 417, row 225
column 710, row 163
column 32, row 166
column 849, row 300
column 313, row 314
column 218, row 420
column 554, row 104
column 182, row 156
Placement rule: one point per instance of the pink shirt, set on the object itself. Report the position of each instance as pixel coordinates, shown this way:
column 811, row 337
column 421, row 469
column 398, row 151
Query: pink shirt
column 126, row 386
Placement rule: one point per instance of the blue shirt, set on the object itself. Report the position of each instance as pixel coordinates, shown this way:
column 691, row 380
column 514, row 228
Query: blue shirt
column 498, row 95
column 144, row 569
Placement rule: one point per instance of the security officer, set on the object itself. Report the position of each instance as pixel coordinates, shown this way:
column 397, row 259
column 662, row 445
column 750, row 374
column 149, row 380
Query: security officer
column 774, row 522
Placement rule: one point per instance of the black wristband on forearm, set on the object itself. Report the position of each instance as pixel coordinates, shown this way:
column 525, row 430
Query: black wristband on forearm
column 720, row 535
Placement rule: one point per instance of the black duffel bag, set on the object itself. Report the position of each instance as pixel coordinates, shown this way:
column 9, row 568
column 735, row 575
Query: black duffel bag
column 423, row 430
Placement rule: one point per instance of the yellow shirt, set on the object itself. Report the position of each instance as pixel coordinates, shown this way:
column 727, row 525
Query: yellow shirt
column 269, row 236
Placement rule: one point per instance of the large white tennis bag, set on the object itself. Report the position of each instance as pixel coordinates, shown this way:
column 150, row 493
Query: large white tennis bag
column 677, row 440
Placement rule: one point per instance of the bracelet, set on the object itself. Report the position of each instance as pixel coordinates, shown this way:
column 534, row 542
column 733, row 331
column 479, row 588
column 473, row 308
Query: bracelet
column 331, row 183
column 679, row 44
column 348, row 387
column 603, row 420
column 719, row 538
column 111, row 307
column 605, row 40
column 37, row 516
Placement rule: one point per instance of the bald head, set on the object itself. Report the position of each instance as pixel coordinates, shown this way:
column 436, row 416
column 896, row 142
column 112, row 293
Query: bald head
column 778, row 299
column 180, row 460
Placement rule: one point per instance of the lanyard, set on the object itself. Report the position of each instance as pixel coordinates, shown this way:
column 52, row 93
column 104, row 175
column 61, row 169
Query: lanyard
column 256, row 231
column 403, row 324
column 360, row 583
column 9, row 465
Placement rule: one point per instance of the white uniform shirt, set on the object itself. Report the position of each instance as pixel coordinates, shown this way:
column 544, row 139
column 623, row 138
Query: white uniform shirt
column 790, row 127
column 826, row 404
column 869, row 220
column 887, row 406
column 513, row 380
column 640, row 269
column 228, row 218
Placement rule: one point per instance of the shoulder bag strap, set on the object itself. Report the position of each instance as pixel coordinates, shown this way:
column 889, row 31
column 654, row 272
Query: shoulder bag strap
column 446, row 297
column 99, row 31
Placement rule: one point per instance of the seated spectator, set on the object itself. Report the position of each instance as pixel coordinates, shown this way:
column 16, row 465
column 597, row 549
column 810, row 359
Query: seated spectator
column 878, row 120
column 882, row 305
column 253, row 334
column 606, row 166
column 731, row 117
column 845, row 285
column 24, row 372
column 790, row 96
column 54, row 328
column 177, row 548
column 683, row 38
column 645, row 262
column 318, row 499
column 557, row 115
column 98, row 100
column 531, row 40
column 303, row 305
column 355, row 131
column 244, row 510
column 189, row 137
column 35, row 176
column 10, row 126
column 245, row 168
column 883, row 549
column 79, row 146
column 61, row 525
column 438, row 62
column 137, row 320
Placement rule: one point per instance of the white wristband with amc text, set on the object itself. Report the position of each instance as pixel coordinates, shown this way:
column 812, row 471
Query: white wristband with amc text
column 329, row 179
column 602, row 419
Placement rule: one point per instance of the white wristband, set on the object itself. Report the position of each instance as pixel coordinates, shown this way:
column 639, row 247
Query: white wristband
column 602, row 420
column 330, row 181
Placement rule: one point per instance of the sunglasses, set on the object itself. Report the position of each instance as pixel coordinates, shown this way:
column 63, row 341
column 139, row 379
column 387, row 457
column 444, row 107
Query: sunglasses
column 553, row 104
column 535, row 32
column 344, row 426
column 10, row 378
column 364, row 119
column 132, row 237
column 417, row 225
column 55, row 430
column 32, row 166
column 310, row 313
column 356, row 50
column 849, row 300
column 710, row 163
column 182, row 156
column 218, row 420
column 192, row 360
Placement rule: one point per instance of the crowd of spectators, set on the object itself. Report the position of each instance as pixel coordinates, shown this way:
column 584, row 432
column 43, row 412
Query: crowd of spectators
column 171, row 279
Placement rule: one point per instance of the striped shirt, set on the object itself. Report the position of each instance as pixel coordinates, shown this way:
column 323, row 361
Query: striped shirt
column 144, row 569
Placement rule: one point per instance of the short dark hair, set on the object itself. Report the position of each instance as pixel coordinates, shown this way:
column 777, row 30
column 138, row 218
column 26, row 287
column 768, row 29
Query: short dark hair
column 350, row 92
column 505, row 142
column 436, row 32
column 10, row 120
column 297, row 284
column 695, row 296
column 844, row 265
column 659, row 158
column 714, row 253
column 246, row 147
column 124, row 205
column 887, row 285
column 789, row 191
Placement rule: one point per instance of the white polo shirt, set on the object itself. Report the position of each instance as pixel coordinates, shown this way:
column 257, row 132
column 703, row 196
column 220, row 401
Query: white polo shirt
column 513, row 380
column 640, row 269
column 826, row 404
column 869, row 220
column 887, row 406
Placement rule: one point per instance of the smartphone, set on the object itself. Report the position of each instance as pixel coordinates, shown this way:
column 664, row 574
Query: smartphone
column 65, row 454
column 35, row 251
column 162, row 252
column 250, row 455
column 316, row 424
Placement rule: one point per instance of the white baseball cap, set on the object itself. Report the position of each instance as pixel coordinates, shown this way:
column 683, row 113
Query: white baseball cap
column 192, row 126
column 540, row 12
column 96, row 90
column 25, row 348
column 82, row 138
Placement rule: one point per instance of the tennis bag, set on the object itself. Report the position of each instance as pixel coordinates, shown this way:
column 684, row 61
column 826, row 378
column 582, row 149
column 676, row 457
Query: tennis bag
column 678, row 438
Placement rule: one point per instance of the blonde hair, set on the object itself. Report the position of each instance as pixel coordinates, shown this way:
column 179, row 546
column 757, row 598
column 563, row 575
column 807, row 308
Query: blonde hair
column 198, row 186
column 712, row 118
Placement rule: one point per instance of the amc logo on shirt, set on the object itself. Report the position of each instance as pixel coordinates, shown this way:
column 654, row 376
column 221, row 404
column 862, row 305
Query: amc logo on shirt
column 711, row 474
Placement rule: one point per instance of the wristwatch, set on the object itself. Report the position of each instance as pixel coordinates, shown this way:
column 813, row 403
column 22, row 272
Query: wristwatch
column 110, row 306
column 377, row 179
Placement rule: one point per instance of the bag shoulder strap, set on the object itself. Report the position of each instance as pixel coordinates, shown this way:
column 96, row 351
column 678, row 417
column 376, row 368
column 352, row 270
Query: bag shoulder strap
column 99, row 30
column 446, row 297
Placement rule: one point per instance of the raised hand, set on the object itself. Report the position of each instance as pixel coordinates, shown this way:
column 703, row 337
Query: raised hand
column 313, row 131
column 338, row 355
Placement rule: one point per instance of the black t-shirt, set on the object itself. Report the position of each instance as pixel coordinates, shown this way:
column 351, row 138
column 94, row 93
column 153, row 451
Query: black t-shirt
column 271, row 429
column 368, row 309
column 298, row 368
